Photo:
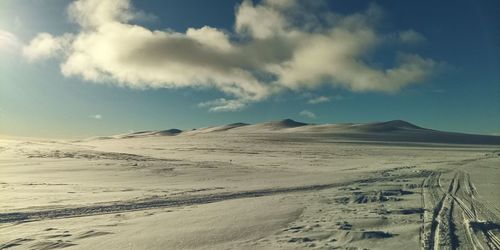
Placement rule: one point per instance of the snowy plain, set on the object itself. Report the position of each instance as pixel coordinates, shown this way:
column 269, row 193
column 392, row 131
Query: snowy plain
column 276, row 185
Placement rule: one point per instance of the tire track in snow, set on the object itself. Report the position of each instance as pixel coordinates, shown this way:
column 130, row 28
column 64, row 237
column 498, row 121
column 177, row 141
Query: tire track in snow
column 472, row 217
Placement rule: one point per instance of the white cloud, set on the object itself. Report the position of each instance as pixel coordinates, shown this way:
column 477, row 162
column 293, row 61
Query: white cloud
column 223, row 104
column 411, row 36
column 44, row 46
column 308, row 114
column 95, row 13
column 322, row 99
column 96, row 116
column 260, row 21
column 276, row 45
column 319, row 99
column 8, row 41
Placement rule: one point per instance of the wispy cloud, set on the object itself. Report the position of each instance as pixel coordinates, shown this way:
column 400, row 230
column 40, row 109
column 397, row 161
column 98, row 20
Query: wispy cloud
column 275, row 46
column 319, row 99
column 9, row 42
column 308, row 114
column 411, row 36
column 323, row 99
column 96, row 116
column 222, row 104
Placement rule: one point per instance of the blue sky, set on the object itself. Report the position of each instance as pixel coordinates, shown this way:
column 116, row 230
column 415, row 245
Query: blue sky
column 323, row 63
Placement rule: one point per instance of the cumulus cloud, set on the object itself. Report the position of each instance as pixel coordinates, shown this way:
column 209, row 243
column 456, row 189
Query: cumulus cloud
column 96, row 116
column 276, row 45
column 44, row 46
column 308, row 114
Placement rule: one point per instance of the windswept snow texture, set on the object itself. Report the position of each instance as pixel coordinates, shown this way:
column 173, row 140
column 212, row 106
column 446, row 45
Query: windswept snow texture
column 275, row 185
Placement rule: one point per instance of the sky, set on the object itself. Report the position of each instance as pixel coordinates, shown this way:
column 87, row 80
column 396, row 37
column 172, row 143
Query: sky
column 75, row 69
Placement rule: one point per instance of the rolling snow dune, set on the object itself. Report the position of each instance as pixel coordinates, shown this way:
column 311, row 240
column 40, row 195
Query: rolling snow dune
column 216, row 128
column 391, row 131
column 168, row 132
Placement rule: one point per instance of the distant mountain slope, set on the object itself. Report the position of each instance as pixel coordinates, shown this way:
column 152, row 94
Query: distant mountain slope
column 391, row 131
column 168, row 132
column 388, row 126
column 216, row 128
column 396, row 130
column 271, row 126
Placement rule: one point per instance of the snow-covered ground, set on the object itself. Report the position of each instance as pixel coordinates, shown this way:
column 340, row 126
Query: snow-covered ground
column 281, row 185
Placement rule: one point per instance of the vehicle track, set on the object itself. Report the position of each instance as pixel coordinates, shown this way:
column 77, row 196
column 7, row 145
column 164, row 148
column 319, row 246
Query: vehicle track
column 456, row 213
column 136, row 205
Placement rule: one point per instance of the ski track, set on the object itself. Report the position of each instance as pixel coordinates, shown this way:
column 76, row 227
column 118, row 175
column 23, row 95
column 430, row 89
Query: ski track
column 91, row 210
